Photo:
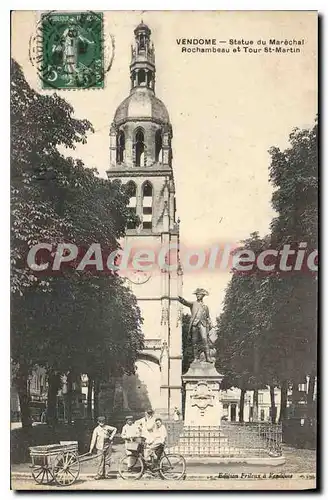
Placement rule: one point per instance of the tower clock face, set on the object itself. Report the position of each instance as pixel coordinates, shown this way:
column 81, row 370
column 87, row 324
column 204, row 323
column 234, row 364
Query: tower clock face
column 139, row 277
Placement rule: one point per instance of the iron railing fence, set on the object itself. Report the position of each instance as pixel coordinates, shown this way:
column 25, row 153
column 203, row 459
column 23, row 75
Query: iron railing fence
column 232, row 439
column 262, row 436
column 174, row 430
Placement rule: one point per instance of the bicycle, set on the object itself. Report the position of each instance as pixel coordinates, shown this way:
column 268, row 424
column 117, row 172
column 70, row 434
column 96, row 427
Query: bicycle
column 170, row 466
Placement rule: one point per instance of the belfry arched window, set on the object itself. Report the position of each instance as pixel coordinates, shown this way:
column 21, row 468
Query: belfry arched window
column 142, row 78
column 142, row 44
column 120, row 147
column 140, row 148
column 158, row 145
column 150, row 82
column 147, row 205
column 132, row 192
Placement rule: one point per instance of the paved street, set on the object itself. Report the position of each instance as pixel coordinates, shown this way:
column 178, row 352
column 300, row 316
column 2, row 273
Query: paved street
column 154, row 484
column 297, row 461
column 297, row 473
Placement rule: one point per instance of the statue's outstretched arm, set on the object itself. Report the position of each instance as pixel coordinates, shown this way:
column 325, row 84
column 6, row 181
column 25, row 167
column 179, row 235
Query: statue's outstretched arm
column 84, row 39
column 184, row 301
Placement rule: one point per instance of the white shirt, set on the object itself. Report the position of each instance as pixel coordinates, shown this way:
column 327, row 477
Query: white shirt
column 146, row 426
column 159, row 435
column 129, row 431
column 100, row 434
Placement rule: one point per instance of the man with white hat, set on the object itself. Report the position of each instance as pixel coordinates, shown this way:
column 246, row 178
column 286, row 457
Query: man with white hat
column 200, row 322
column 146, row 424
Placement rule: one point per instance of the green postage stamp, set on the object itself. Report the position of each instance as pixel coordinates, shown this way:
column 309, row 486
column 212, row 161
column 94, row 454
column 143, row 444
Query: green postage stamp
column 72, row 50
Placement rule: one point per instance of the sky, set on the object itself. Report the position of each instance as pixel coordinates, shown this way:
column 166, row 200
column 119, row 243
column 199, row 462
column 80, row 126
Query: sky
column 226, row 111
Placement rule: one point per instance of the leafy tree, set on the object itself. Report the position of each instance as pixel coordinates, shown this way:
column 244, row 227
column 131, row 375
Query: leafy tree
column 75, row 321
column 39, row 124
column 267, row 330
column 242, row 327
column 294, row 174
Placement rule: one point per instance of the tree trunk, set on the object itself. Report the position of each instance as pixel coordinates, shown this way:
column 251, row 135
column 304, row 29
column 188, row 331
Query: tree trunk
column 96, row 391
column 89, row 397
column 256, row 391
column 183, row 402
column 255, row 405
column 110, row 394
column 54, row 384
column 295, row 394
column 283, row 401
column 273, row 405
column 242, row 404
column 310, row 394
column 69, row 396
column 21, row 382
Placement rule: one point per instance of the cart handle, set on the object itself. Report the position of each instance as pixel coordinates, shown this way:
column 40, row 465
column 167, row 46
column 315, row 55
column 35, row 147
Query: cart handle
column 88, row 456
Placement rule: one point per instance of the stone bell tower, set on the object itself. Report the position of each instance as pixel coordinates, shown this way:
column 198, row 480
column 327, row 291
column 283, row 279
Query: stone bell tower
column 141, row 157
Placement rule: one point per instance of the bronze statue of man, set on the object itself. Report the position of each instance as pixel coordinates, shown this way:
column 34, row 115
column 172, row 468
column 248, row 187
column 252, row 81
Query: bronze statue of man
column 200, row 323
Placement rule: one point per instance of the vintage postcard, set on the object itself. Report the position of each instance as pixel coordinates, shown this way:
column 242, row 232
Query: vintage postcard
column 164, row 185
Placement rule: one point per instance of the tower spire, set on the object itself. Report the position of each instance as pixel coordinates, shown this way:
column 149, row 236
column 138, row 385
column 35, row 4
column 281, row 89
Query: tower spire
column 142, row 67
column 141, row 157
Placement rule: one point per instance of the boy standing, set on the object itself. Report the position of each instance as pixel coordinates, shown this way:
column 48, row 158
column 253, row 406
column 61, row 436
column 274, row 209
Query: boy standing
column 102, row 438
column 129, row 434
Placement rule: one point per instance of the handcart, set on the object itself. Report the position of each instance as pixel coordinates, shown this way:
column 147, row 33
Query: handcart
column 59, row 463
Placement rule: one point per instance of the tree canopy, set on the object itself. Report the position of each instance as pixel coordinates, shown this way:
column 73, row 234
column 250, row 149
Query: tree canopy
column 72, row 320
column 267, row 329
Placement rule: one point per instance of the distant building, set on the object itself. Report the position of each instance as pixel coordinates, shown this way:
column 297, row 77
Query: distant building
column 231, row 403
column 37, row 389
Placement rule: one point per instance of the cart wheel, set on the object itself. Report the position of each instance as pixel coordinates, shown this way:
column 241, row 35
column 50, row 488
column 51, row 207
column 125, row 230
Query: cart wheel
column 66, row 468
column 41, row 474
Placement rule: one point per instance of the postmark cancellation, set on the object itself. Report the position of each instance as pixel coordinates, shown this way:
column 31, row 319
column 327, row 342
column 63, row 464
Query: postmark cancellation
column 68, row 50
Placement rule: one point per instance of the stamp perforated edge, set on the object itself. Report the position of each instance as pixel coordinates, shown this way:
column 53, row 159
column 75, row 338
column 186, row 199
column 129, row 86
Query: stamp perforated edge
column 108, row 51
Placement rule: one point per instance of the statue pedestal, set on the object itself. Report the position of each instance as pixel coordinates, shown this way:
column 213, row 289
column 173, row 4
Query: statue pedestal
column 201, row 435
column 203, row 407
column 203, row 440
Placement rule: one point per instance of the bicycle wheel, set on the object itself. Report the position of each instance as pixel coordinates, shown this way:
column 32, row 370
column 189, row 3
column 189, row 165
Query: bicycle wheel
column 131, row 467
column 172, row 466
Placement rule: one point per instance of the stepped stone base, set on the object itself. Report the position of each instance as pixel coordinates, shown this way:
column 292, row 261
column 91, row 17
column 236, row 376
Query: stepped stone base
column 239, row 460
